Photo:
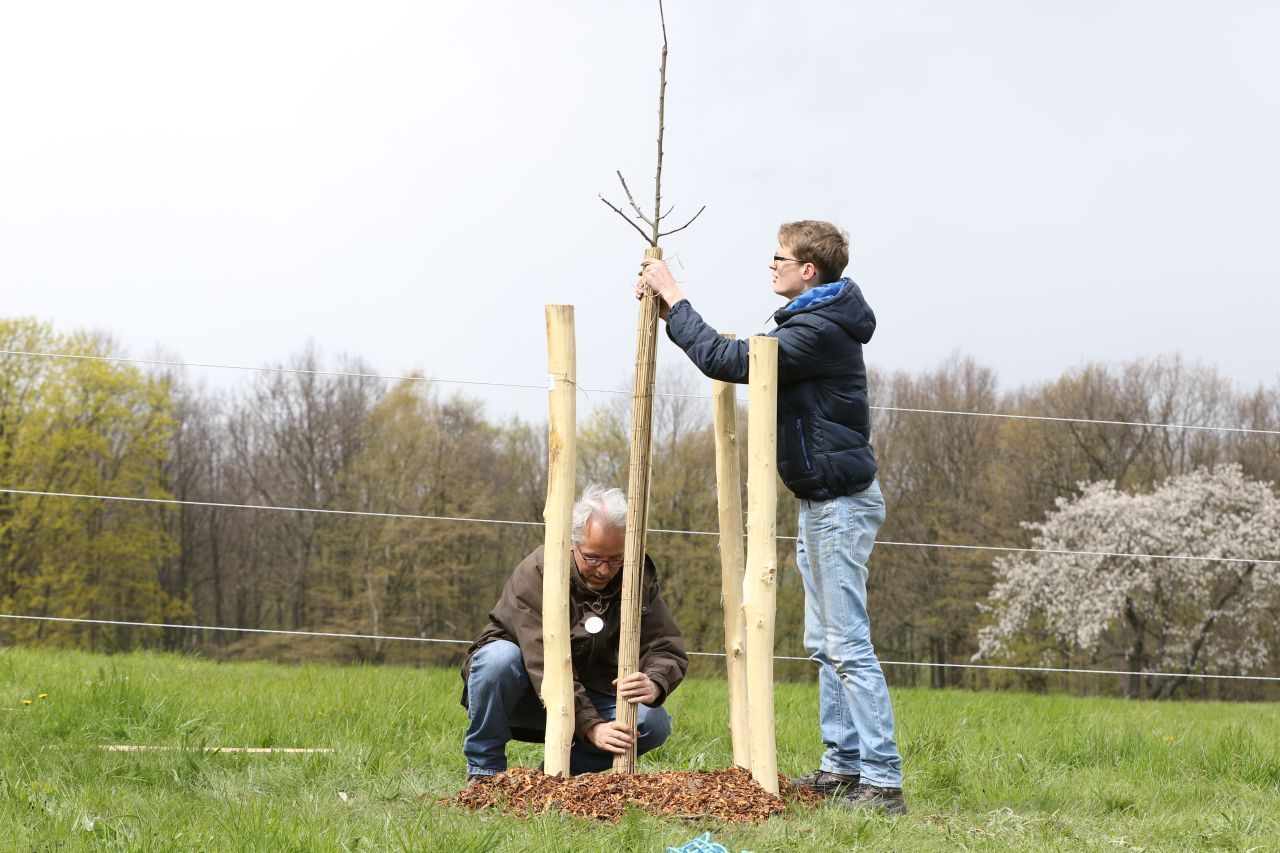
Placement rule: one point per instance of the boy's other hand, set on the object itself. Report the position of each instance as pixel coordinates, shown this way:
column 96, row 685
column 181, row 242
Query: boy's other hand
column 658, row 276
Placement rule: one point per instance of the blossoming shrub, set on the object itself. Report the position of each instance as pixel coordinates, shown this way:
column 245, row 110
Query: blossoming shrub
column 1152, row 612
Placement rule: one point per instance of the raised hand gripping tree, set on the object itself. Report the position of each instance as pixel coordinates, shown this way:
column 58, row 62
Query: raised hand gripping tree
column 641, row 421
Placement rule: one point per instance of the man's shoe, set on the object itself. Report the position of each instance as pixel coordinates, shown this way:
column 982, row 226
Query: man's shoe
column 873, row 798
column 827, row 784
column 479, row 779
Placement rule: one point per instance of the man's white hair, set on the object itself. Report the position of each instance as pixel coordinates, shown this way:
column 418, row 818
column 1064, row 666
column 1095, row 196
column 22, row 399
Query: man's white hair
column 607, row 506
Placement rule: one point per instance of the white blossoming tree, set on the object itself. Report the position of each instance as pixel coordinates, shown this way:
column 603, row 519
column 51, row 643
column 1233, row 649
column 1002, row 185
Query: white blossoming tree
column 1148, row 613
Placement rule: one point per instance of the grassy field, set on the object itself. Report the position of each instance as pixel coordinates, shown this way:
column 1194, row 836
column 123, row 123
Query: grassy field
column 984, row 771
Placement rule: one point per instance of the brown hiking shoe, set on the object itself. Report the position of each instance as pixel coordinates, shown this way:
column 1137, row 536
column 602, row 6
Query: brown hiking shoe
column 827, row 784
column 872, row 798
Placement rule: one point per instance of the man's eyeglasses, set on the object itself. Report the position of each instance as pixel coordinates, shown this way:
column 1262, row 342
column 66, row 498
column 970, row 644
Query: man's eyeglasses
column 777, row 259
column 597, row 562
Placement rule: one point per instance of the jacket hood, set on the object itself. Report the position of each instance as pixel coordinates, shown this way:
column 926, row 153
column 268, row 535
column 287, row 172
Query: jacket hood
column 840, row 302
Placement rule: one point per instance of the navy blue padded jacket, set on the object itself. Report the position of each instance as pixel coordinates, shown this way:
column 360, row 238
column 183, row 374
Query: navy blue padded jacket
column 824, row 419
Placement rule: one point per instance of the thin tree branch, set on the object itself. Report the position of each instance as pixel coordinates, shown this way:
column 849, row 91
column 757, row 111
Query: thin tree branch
column 684, row 226
column 618, row 211
column 654, row 223
column 662, row 102
column 634, row 206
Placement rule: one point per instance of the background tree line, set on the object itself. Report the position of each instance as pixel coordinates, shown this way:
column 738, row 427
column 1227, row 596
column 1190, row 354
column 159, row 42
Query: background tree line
column 297, row 441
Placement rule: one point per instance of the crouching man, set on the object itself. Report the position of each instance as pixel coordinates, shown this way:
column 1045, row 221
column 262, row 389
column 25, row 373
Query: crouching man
column 502, row 675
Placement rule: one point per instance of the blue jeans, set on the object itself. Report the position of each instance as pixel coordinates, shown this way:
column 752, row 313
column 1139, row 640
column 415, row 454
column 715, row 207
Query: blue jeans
column 503, row 707
column 854, row 712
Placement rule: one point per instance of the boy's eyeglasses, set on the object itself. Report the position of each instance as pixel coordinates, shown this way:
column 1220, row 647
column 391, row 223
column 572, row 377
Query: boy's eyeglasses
column 777, row 259
column 597, row 562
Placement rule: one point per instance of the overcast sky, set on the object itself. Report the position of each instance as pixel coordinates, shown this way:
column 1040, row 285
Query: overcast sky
column 1036, row 184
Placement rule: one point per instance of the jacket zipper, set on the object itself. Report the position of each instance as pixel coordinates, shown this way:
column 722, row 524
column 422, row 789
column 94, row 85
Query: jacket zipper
column 804, row 451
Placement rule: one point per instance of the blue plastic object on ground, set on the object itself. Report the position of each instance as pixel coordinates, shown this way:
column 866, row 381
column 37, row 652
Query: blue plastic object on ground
column 701, row 844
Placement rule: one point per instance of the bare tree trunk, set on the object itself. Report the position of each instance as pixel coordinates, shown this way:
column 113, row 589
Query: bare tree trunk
column 1135, row 658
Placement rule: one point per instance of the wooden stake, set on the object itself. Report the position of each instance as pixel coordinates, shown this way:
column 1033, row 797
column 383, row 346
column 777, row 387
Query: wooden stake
column 637, row 507
column 557, row 679
column 760, row 592
column 732, row 563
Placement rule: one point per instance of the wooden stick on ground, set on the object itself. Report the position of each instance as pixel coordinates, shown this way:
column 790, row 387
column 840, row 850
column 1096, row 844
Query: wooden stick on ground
column 252, row 750
column 557, row 679
column 732, row 564
column 760, row 592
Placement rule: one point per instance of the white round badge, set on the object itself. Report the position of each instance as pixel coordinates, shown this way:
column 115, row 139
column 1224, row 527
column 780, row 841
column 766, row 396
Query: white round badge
column 594, row 625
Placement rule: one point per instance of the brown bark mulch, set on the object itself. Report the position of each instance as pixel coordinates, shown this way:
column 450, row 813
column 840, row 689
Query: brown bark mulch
column 729, row 795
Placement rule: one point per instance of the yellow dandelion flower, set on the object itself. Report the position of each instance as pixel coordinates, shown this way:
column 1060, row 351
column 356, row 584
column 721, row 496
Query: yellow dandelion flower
column 43, row 696
column 26, row 701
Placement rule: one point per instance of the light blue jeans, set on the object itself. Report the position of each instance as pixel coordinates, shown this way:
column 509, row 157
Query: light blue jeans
column 503, row 707
column 854, row 712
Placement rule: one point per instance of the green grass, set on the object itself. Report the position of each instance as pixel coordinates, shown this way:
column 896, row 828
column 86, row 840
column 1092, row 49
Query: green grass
column 986, row 771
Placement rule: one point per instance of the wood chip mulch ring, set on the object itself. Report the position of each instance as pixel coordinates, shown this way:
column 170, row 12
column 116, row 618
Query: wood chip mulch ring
column 728, row 795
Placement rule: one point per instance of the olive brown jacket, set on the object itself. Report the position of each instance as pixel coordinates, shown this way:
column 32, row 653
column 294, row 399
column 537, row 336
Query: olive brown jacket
column 517, row 617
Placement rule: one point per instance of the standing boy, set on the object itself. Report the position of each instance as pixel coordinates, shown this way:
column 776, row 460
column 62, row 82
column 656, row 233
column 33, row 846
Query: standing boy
column 825, row 458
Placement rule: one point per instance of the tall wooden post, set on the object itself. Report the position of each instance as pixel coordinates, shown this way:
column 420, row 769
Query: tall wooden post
column 557, row 679
column 637, row 507
column 760, row 592
column 729, row 500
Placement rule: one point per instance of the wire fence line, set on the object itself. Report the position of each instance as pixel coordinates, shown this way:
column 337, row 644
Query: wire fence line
column 124, row 623
column 264, row 369
column 219, row 505
column 1096, row 421
column 543, row 387
column 394, row 637
column 412, row 517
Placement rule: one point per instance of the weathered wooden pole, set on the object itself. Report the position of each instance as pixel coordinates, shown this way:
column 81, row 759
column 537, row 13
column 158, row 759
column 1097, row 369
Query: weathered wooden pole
column 562, row 442
column 760, row 592
column 732, row 563
column 637, row 507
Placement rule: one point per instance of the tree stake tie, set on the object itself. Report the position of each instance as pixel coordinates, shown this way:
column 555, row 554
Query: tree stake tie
column 641, row 425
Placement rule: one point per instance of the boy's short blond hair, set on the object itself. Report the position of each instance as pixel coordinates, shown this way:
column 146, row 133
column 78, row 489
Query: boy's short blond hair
column 819, row 243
